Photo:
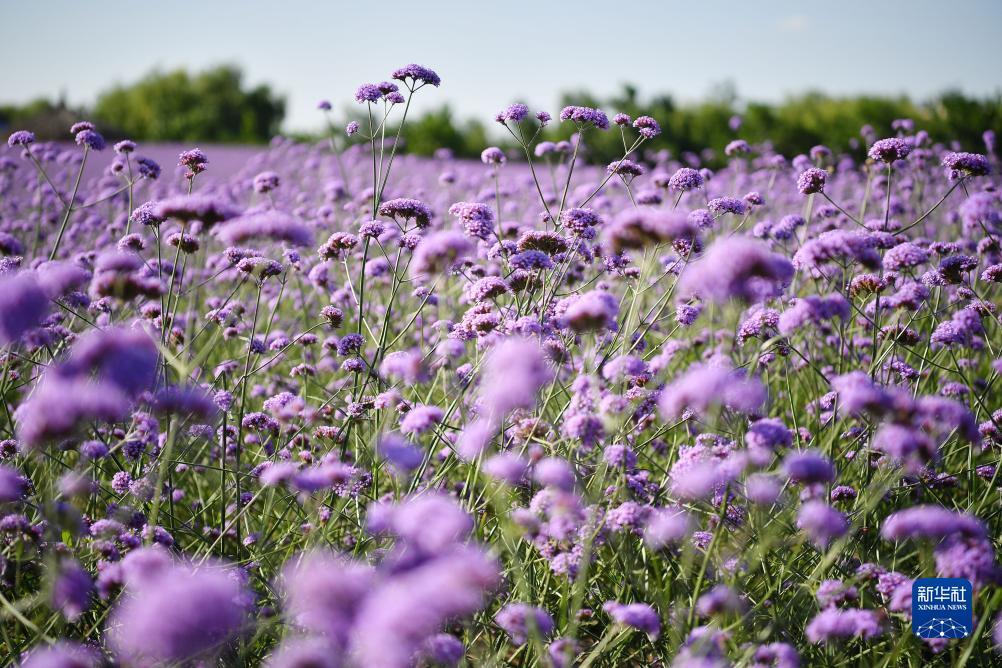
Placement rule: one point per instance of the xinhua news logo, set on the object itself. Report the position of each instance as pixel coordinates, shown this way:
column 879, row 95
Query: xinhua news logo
column 942, row 608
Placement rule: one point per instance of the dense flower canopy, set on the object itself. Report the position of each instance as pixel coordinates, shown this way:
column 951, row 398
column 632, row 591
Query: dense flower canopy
column 338, row 405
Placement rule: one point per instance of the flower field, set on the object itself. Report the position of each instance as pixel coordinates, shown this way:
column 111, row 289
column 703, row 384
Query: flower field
column 336, row 405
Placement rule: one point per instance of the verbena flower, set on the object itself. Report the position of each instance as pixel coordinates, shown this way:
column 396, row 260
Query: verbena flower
column 811, row 181
column 417, row 74
column 176, row 612
column 738, row 268
column 21, row 138
column 515, row 113
column 637, row 615
column 889, row 150
column 585, row 116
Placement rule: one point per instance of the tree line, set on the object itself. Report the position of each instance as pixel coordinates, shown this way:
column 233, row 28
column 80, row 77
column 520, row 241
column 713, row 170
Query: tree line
column 216, row 105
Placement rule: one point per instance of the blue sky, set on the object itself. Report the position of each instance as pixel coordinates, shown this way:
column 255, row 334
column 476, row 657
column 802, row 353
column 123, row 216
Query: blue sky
column 493, row 53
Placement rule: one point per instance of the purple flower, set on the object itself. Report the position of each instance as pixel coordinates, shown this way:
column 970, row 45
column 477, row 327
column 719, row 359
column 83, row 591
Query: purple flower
column 477, row 218
column 145, row 215
column 63, row 654
column 443, row 649
column 420, row 419
column 904, row 444
column 405, row 365
column 762, row 489
column 933, row 522
column 530, row 260
column 594, row 310
column 515, row 113
column 206, row 208
column 579, row 220
column 148, row 168
column 737, row 147
column 265, row 182
column 315, row 652
column 968, row 558
column 438, row 252
column 811, row 181
column 808, row 467
column 637, row 615
column 350, row 344
column 187, row 401
column 406, row 208
column 368, row 93
column 401, row 454
column 322, row 593
column 686, row 179
column 58, row 407
column 776, row 655
column 626, row 168
column 821, row 523
column 721, row 599
column 554, row 472
column 739, row 268
column 666, row 527
column 637, row 228
column 833, row 593
column 514, row 373
column 721, row 205
column 704, row 386
column 13, row 486
column 507, row 467
column 983, row 208
column 194, row 159
column 492, row 155
column 399, row 615
column 904, row 256
column 686, row 313
column 837, row 246
column 269, row 225
column 23, row 306
column 72, row 589
column 834, row 624
column 20, row 138
column 647, row 127
column 520, row 620
column 337, row 246
column 813, row 309
column 90, row 139
column 992, row 273
column 963, row 165
column 768, row 434
column 702, row 219
column 584, row 116
column 562, row 652
column 124, row 358
column 889, row 150
column 417, row 74
column 176, row 613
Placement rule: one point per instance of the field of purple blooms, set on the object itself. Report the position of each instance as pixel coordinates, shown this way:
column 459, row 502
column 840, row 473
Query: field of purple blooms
column 341, row 406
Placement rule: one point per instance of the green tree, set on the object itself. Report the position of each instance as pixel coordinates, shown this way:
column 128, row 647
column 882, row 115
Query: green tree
column 212, row 105
column 439, row 129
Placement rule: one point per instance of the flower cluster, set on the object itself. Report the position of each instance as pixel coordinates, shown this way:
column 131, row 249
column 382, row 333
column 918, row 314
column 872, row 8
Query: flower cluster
column 334, row 404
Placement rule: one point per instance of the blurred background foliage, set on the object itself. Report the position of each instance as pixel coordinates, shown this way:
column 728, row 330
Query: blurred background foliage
column 209, row 106
column 215, row 105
